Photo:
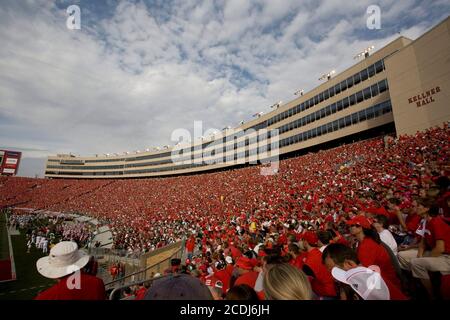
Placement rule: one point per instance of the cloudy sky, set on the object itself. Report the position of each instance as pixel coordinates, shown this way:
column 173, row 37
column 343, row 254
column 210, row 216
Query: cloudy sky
column 137, row 70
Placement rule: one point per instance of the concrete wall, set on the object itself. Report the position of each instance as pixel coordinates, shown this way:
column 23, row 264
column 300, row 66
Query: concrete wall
column 419, row 81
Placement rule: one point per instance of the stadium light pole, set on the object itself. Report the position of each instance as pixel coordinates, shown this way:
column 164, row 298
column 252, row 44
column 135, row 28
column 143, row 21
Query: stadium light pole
column 365, row 53
column 276, row 105
column 327, row 76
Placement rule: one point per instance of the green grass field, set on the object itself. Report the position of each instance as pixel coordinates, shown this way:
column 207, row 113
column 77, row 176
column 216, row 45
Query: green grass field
column 29, row 282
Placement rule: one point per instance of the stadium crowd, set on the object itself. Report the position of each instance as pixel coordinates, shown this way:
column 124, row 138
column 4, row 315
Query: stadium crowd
column 44, row 230
column 374, row 206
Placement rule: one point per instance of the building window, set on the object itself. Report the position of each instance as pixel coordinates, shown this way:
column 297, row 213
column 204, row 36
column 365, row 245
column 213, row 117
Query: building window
column 326, row 94
column 345, row 103
column 348, row 121
column 352, row 99
column 379, row 66
column 331, row 92
column 350, row 82
column 382, row 86
column 317, row 115
column 364, row 75
column 333, row 108
column 328, row 110
column 329, row 127
column 339, row 105
column 344, row 85
column 322, row 113
column 374, row 90
column 356, row 78
column 335, row 125
column 366, row 93
column 359, row 97
column 337, row 88
column 371, row 70
column 370, row 113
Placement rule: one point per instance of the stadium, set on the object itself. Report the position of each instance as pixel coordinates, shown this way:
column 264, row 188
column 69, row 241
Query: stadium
column 344, row 185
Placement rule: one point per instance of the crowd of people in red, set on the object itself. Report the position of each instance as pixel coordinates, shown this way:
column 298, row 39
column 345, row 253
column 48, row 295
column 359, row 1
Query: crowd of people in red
column 334, row 208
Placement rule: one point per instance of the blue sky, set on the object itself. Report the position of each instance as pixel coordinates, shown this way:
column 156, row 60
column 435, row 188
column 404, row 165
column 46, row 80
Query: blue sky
column 137, row 70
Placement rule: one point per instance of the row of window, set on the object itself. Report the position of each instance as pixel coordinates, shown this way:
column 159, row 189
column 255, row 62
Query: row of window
column 331, row 92
column 355, row 98
column 358, row 97
column 363, row 115
column 354, row 118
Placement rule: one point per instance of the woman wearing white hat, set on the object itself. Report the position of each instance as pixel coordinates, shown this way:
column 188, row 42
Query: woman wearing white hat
column 65, row 263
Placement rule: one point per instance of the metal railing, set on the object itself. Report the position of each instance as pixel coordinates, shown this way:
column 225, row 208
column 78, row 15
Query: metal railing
column 145, row 274
column 118, row 290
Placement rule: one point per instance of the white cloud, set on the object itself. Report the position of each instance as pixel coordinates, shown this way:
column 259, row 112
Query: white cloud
column 125, row 82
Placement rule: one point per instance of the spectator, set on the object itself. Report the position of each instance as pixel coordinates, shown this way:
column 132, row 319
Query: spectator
column 178, row 287
column 64, row 263
column 142, row 290
column 381, row 225
column 367, row 283
column 322, row 282
column 433, row 254
column 215, row 286
column 345, row 258
column 285, row 282
column 246, row 275
column 242, row 292
column 369, row 249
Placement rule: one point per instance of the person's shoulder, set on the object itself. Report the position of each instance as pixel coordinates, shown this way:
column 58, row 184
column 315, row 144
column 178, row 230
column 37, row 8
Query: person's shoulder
column 48, row 294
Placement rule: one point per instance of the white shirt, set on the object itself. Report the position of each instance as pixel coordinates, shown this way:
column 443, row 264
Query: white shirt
column 387, row 238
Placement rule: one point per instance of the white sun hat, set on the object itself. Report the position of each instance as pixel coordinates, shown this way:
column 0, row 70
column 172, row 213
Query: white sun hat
column 366, row 282
column 64, row 259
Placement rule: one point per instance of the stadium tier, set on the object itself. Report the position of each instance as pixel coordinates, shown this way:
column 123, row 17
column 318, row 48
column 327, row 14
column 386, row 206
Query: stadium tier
column 402, row 88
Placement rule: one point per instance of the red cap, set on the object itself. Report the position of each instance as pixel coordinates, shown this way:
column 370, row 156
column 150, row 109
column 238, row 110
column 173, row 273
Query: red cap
column 245, row 263
column 310, row 237
column 261, row 253
column 360, row 220
column 235, row 253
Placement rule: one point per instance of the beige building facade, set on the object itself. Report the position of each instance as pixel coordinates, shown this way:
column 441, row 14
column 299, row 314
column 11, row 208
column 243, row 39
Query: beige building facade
column 401, row 88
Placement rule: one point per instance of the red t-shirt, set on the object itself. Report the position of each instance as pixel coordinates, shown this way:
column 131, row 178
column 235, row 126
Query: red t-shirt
column 225, row 277
column 190, row 245
column 140, row 294
column 91, row 288
column 412, row 222
column 371, row 253
column 248, row 278
column 298, row 262
column 322, row 284
column 439, row 231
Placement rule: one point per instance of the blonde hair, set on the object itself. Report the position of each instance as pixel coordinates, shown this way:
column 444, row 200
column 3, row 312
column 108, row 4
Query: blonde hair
column 286, row 282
